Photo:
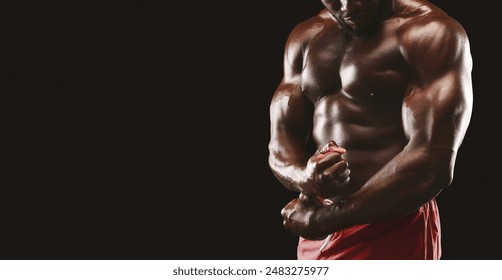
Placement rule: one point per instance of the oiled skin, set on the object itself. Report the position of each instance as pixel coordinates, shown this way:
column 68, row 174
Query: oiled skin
column 395, row 94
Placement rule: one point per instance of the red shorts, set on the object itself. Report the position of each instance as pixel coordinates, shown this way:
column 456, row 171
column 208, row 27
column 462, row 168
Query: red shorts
column 416, row 236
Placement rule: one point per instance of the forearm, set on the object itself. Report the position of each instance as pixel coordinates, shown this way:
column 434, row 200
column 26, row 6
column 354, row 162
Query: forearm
column 402, row 186
column 288, row 163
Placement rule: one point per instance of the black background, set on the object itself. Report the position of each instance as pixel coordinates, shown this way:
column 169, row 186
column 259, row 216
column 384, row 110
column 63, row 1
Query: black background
column 139, row 130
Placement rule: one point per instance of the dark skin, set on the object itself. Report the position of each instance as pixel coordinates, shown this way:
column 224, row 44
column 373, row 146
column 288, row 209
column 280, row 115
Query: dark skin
column 384, row 90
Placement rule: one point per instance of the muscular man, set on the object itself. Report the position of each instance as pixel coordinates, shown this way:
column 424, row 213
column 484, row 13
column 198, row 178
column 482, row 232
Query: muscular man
column 366, row 124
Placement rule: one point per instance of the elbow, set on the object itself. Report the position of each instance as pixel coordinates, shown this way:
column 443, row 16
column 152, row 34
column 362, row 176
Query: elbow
column 440, row 173
column 431, row 183
column 441, row 181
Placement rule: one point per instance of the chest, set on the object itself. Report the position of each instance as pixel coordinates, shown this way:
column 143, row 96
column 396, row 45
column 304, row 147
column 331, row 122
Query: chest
column 356, row 67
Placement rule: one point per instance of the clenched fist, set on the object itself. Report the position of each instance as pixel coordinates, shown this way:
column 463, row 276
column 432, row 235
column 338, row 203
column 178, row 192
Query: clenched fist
column 327, row 172
column 298, row 214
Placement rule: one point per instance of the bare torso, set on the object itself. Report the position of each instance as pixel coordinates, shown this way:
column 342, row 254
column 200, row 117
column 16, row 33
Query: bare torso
column 390, row 82
column 357, row 85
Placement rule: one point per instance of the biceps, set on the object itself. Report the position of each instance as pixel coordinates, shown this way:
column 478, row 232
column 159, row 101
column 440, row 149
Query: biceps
column 290, row 111
column 437, row 115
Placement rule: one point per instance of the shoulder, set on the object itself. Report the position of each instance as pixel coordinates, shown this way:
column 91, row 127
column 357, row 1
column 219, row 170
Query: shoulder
column 434, row 46
column 431, row 29
column 299, row 39
column 304, row 31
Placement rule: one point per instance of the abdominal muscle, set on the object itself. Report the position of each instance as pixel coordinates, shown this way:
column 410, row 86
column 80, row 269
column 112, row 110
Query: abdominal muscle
column 371, row 133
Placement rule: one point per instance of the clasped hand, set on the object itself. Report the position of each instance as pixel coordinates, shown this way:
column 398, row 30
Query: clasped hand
column 328, row 176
